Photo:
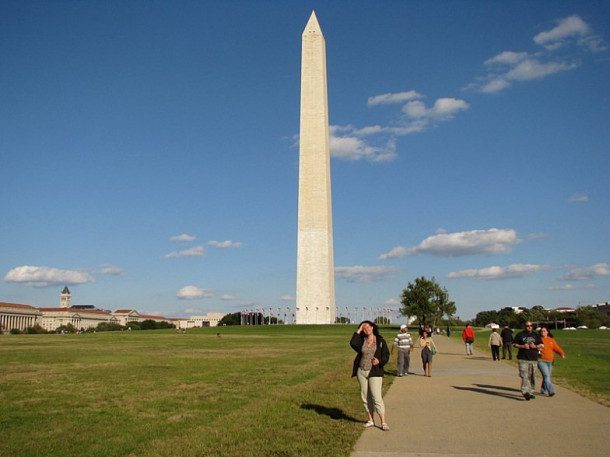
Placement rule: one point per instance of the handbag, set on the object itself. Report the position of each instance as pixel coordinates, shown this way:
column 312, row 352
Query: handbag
column 433, row 349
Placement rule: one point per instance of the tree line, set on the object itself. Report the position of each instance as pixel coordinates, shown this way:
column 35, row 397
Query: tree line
column 584, row 315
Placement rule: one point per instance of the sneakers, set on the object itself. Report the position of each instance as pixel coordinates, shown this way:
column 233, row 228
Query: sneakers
column 369, row 424
column 385, row 427
column 527, row 396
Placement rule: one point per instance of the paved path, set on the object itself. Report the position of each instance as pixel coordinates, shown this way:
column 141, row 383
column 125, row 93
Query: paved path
column 472, row 406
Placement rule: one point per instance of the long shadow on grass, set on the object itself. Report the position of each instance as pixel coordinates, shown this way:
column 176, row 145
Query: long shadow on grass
column 497, row 391
column 333, row 413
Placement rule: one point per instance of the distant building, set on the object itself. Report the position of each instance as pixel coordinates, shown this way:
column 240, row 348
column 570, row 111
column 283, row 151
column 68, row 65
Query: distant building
column 83, row 317
column 15, row 316
column 125, row 316
column 65, row 298
column 564, row 309
column 209, row 320
column 603, row 307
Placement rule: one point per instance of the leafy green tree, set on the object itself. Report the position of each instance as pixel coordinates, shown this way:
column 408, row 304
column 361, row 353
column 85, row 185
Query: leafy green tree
column 148, row 324
column 508, row 316
column 230, row 319
column 486, row 317
column 108, row 327
column 592, row 318
column 68, row 328
column 35, row 330
column 426, row 300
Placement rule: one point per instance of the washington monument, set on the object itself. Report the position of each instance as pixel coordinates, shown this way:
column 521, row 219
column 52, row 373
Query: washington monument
column 315, row 301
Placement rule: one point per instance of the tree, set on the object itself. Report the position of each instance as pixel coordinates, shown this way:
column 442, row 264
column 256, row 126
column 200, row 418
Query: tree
column 426, row 300
column 592, row 318
column 508, row 316
column 230, row 319
column 67, row 328
column 486, row 317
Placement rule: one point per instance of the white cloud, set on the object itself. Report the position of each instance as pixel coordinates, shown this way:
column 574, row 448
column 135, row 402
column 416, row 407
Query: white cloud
column 396, row 253
column 288, row 298
column 183, row 237
column 111, row 270
column 35, row 276
column 196, row 251
column 192, row 293
column 572, row 287
column 360, row 273
column 225, row 244
column 474, row 242
column 227, row 297
column 377, row 143
column 443, row 109
column 495, row 85
column 599, row 269
column 512, row 271
column 569, row 27
column 349, row 146
column 399, row 97
column 534, row 69
column 578, row 197
column 507, row 58
column 508, row 67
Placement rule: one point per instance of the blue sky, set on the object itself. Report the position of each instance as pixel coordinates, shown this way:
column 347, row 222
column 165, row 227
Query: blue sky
column 150, row 153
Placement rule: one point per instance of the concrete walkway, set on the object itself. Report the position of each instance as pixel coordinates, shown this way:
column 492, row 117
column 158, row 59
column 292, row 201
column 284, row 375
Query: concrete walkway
column 472, row 406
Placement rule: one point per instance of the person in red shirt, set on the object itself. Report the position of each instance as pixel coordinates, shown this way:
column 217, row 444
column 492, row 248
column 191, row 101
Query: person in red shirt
column 468, row 337
column 546, row 359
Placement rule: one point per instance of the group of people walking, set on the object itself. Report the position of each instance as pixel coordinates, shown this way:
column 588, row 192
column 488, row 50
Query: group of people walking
column 536, row 351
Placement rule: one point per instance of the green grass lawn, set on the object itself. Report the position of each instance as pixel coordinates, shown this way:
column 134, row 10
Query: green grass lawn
column 586, row 368
column 265, row 390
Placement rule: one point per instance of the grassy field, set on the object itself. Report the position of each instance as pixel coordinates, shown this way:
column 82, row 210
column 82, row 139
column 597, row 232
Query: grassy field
column 586, row 368
column 266, row 390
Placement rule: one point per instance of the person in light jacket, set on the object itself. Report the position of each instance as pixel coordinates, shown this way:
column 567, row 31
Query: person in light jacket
column 495, row 342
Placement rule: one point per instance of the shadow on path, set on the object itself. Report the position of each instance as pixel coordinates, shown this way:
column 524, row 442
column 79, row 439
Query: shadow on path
column 497, row 391
column 511, row 389
column 333, row 413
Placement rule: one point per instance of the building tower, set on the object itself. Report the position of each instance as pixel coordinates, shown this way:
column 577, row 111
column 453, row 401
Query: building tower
column 315, row 302
column 64, row 298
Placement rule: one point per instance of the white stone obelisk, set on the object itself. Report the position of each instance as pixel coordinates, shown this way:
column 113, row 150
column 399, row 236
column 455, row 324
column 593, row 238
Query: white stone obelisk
column 315, row 302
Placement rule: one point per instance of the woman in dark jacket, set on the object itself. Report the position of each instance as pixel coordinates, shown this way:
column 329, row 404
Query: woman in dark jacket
column 373, row 354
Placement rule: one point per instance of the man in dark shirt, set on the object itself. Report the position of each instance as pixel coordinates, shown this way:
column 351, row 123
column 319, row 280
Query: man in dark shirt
column 528, row 342
column 507, row 342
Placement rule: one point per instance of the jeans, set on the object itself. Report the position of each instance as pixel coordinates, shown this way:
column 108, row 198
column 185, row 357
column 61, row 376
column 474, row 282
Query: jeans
column 468, row 348
column 495, row 352
column 370, row 392
column 527, row 371
column 546, row 368
column 507, row 347
column 404, row 360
